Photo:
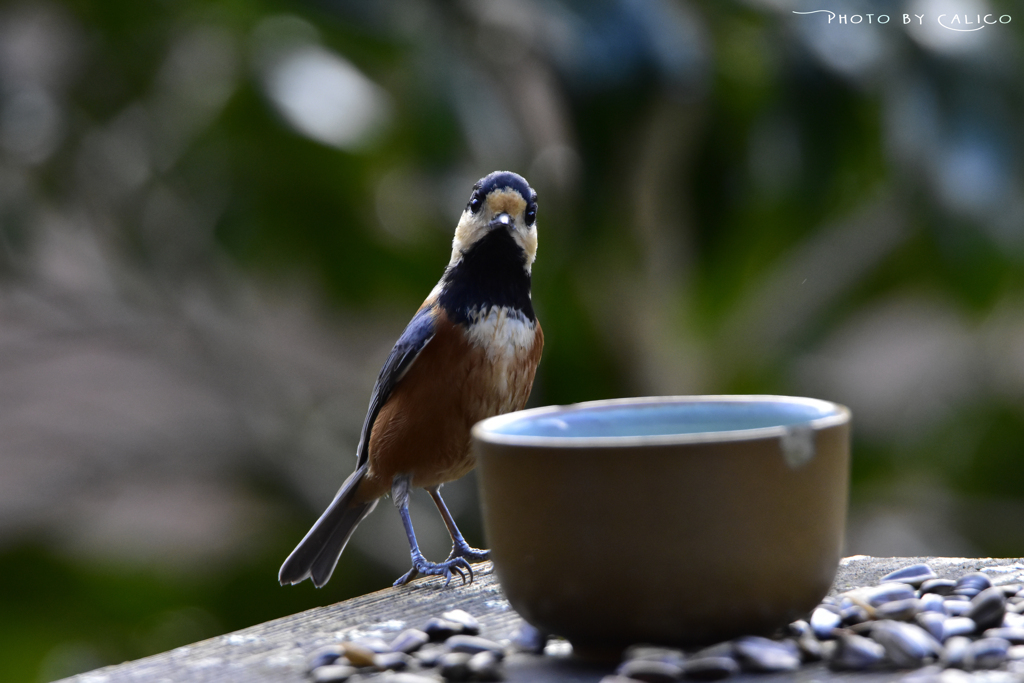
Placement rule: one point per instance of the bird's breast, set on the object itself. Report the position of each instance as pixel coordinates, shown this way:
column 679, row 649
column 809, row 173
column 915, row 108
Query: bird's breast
column 502, row 332
column 504, row 337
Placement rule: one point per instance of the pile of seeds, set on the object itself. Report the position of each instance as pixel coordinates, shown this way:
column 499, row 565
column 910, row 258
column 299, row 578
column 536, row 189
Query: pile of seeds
column 449, row 645
column 911, row 619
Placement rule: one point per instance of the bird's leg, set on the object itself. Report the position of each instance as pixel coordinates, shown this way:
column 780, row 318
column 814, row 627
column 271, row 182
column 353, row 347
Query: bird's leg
column 459, row 546
column 420, row 565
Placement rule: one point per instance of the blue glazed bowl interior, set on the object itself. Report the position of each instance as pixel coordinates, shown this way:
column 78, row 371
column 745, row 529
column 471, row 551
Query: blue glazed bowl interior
column 664, row 418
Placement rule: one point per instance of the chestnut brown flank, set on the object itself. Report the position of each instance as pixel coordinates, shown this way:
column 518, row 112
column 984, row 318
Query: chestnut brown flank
column 424, row 428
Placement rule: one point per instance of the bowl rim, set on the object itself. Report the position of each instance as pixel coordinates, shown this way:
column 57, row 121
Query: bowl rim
column 483, row 430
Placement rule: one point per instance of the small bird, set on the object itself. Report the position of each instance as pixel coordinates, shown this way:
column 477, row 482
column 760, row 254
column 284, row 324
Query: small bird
column 469, row 353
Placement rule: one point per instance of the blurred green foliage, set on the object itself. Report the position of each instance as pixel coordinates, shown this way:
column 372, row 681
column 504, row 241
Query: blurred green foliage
column 694, row 181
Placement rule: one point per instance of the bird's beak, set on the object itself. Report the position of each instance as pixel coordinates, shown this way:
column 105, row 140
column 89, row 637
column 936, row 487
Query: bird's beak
column 502, row 220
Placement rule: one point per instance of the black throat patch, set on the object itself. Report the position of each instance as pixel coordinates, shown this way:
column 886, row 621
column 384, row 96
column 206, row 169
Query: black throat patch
column 491, row 273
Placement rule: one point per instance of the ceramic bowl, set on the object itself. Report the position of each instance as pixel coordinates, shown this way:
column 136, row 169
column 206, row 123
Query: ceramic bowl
column 669, row 520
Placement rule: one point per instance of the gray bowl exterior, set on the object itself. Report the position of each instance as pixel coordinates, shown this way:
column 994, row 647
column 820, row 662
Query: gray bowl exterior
column 676, row 544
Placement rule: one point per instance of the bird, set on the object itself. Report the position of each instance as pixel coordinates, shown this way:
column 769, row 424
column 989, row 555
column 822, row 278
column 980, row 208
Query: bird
column 470, row 352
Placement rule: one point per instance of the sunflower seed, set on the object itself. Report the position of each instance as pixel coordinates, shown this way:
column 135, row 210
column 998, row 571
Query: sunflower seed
column 989, row 653
column 956, row 653
column 915, row 575
column 527, row 638
column 988, row 608
column 333, row 673
column 454, row 666
column 710, row 668
column 409, row 640
column 823, row 622
column 441, row 629
column 473, row 644
column 972, row 584
column 755, row 653
column 328, row 654
column 887, row 592
column 907, row 645
column 932, row 602
column 856, row 653
column 1014, row 635
column 650, row 671
column 485, row 666
column 931, row 622
column 900, row 610
column 938, row 586
column 469, row 623
column 392, row 661
column 958, row 626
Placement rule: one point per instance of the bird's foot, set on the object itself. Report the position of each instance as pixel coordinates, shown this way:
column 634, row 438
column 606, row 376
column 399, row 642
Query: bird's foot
column 466, row 553
column 420, row 565
column 471, row 554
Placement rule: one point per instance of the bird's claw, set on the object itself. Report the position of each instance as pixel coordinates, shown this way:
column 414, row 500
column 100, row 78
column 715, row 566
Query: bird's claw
column 471, row 554
column 462, row 555
column 420, row 565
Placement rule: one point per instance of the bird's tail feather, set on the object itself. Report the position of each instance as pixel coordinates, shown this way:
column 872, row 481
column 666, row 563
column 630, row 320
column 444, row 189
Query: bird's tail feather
column 318, row 552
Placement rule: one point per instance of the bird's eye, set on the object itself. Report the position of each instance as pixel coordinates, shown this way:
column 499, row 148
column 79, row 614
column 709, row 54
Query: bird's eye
column 531, row 215
column 475, row 202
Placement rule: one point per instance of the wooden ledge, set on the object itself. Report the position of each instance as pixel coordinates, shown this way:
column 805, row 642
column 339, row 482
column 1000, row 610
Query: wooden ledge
column 276, row 651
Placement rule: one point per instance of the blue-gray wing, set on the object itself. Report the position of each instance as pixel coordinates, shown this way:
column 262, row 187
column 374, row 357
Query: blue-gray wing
column 417, row 334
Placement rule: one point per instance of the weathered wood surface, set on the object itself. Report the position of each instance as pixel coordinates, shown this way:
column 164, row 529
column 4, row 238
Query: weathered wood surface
column 275, row 652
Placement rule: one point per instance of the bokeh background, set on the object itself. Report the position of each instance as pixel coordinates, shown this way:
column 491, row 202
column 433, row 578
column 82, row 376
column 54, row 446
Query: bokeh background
column 216, row 216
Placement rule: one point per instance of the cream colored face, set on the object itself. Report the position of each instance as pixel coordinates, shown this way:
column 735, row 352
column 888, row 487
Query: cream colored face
column 473, row 226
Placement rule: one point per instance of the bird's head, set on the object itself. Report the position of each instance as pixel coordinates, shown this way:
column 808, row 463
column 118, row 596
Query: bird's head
column 500, row 201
